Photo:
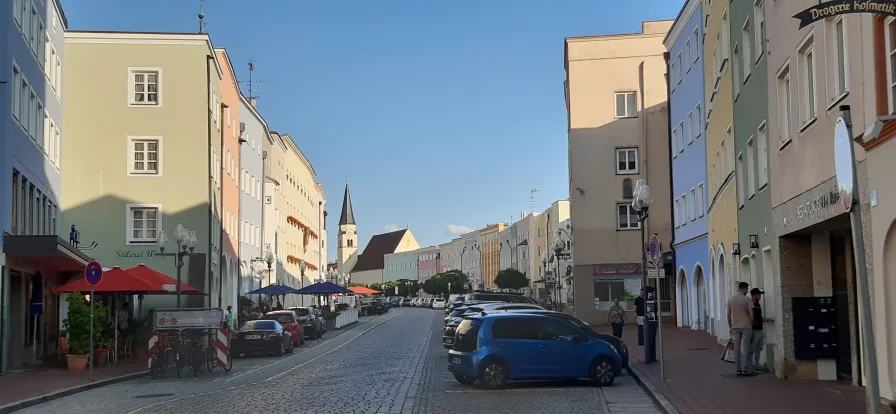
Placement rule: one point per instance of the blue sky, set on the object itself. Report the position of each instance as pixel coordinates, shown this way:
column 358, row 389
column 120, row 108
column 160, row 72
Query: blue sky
column 442, row 113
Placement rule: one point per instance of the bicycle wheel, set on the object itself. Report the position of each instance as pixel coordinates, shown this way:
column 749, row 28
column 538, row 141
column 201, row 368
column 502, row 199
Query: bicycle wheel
column 196, row 360
column 211, row 360
column 153, row 367
column 179, row 361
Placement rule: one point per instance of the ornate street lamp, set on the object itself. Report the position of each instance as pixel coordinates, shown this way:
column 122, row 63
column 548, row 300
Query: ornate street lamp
column 186, row 243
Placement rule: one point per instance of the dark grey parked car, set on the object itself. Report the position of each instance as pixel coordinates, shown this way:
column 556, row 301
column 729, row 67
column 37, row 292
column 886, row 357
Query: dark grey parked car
column 312, row 320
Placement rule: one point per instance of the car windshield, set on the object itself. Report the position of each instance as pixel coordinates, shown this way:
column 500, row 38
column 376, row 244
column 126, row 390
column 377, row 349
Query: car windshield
column 301, row 311
column 280, row 317
column 262, row 325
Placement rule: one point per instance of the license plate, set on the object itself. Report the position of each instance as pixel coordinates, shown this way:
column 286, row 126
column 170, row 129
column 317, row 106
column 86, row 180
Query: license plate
column 253, row 336
column 456, row 360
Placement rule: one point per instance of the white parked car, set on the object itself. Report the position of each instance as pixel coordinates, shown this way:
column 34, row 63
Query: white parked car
column 438, row 303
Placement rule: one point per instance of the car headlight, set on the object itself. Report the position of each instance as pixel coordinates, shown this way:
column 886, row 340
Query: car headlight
column 613, row 348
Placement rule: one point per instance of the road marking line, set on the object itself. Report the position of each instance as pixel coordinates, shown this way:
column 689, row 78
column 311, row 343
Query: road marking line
column 136, row 410
column 521, row 390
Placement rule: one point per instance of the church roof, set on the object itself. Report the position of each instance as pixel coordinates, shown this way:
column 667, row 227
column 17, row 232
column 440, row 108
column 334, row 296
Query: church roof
column 348, row 215
column 374, row 256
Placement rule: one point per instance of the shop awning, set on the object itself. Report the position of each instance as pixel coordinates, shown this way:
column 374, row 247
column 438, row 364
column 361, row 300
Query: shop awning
column 361, row 290
column 50, row 253
column 160, row 280
column 115, row 280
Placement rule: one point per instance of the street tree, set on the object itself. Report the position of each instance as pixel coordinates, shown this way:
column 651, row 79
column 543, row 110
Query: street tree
column 353, row 284
column 511, row 279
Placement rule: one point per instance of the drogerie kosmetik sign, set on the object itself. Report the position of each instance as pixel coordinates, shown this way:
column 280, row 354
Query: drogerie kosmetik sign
column 837, row 7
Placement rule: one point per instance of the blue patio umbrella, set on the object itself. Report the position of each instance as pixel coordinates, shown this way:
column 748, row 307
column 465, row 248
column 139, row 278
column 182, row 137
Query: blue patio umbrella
column 322, row 288
column 273, row 290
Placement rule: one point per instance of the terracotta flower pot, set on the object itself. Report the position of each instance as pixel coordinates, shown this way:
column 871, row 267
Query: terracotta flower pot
column 77, row 362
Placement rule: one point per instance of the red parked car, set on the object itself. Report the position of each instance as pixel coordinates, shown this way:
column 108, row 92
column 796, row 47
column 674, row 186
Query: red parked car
column 291, row 323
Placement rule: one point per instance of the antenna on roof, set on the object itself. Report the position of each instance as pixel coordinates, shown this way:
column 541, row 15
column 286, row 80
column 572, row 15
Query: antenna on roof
column 252, row 82
column 532, row 192
column 201, row 17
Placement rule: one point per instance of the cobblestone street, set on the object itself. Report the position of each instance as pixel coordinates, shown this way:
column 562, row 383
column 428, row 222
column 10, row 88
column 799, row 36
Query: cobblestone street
column 393, row 363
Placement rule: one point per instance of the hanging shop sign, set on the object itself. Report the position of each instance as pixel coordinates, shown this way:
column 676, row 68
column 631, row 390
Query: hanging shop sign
column 833, row 8
column 617, row 269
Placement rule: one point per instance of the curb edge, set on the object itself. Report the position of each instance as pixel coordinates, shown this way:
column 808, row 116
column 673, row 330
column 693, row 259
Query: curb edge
column 662, row 403
column 40, row 399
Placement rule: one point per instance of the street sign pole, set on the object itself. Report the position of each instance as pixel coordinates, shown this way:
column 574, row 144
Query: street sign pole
column 659, row 300
column 93, row 274
column 92, row 307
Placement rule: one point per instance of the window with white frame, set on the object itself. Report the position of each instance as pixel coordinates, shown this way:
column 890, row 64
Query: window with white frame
column 40, row 126
column 747, row 37
column 144, row 155
column 729, row 134
column 701, row 204
column 16, row 93
column 695, row 54
column 689, row 51
column 736, row 80
column 145, row 86
column 688, row 132
column 680, row 67
column 751, row 167
column 759, row 29
column 626, row 161
column 684, row 209
column 762, row 156
column 674, row 142
column 723, row 161
column 726, row 27
column 17, row 12
column 693, row 126
column 785, row 100
column 675, row 213
column 673, row 70
column 32, row 114
column 891, row 62
column 58, row 147
column 51, row 139
column 716, row 64
column 627, row 217
column 626, row 104
column 693, row 204
column 808, row 110
column 33, row 37
column 839, row 82
column 144, row 221
column 681, row 136
column 699, row 118
column 741, row 184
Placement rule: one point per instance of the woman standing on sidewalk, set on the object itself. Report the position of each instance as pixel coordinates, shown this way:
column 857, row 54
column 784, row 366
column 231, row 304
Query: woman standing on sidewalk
column 616, row 318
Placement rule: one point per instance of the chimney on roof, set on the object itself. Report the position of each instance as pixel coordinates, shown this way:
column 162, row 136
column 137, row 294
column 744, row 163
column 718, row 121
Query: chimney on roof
column 253, row 102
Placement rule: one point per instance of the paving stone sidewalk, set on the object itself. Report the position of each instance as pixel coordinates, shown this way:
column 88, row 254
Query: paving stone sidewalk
column 698, row 381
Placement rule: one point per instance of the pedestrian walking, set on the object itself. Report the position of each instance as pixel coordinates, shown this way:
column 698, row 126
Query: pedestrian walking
column 758, row 340
column 639, row 316
column 740, row 319
column 616, row 318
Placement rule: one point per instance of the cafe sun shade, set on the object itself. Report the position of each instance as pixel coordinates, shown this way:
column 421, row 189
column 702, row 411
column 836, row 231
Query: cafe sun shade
column 158, row 280
column 276, row 290
column 114, row 280
column 323, row 288
column 361, row 290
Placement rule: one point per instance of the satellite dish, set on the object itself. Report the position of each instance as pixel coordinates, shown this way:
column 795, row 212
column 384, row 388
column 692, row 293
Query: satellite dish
column 843, row 164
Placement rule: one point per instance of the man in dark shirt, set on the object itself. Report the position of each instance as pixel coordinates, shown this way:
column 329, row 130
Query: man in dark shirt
column 758, row 340
column 639, row 314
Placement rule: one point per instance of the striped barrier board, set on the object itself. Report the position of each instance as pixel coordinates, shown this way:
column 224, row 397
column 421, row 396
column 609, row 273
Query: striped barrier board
column 152, row 348
column 222, row 344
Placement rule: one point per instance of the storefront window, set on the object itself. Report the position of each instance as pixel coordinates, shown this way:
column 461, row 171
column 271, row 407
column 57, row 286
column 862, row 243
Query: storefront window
column 622, row 287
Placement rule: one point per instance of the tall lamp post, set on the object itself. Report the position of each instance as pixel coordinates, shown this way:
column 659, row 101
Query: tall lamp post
column 544, row 267
column 559, row 246
column 302, row 267
column 479, row 277
column 186, row 243
column 641, row 204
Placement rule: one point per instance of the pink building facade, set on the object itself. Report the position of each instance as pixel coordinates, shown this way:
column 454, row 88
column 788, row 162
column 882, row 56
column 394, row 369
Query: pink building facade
column 427, row 263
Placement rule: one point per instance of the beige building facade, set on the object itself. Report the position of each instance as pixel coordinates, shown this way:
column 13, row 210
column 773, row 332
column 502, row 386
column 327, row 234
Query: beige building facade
column 491, row 259
column 720, row 165
column 155, row 108
column 811, row 74
column 617, row 110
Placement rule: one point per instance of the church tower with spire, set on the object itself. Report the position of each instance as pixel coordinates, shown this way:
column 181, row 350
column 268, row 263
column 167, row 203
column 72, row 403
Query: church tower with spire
column 348, row 235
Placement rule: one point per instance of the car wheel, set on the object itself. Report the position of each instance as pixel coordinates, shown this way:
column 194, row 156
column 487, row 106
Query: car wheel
column 279, row 350
column 465, row 379
column 603, row 372
column 313, row 334
column 493, row 374
column 291, row 347
column 302, row 339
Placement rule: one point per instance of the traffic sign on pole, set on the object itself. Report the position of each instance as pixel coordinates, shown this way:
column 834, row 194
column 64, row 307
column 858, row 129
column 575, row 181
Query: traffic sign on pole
column 655, row 253
column 93, row 273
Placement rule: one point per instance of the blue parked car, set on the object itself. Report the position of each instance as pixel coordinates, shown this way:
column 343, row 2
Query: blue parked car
column 493, row 349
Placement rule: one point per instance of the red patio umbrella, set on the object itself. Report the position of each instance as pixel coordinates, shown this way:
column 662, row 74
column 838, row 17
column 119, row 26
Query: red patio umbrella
column 361, row 290
column 158, row 280
column 115, row 280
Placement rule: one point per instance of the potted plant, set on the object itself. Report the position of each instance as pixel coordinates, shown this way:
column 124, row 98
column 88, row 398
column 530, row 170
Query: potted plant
column 77, row 325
